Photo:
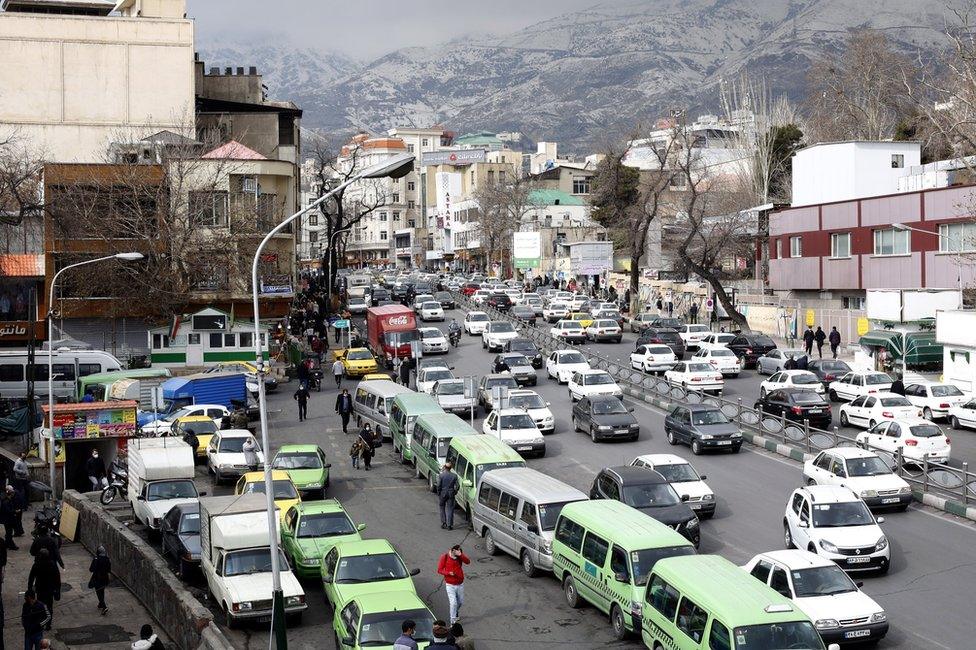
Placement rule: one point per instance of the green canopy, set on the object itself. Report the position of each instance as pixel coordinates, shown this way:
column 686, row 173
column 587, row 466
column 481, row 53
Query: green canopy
column 922, row 347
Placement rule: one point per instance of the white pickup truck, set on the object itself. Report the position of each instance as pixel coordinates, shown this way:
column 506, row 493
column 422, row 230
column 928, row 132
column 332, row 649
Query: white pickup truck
column 160, row 477
column 235, row 557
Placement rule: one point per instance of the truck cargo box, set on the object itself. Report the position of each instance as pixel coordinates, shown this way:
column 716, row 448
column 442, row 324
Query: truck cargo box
column 238, row 520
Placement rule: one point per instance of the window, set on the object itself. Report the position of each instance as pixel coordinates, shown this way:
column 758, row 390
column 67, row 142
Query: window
column 382, row 216
column 411, row 186
column 796, row 246
column 313, row 219
column 383, row 235
column 216, row 340
column 662, row 597
column 208, row 209
column 425, row 142
column 956, row 237
column 581, row 185
column 411, row 204
column 160, row 341
column 692, row 620
column 396, row 216
column 472, row 178
column 85, row 369
column 528, row 514
column 595, row 549
column 491, row 177
column 12, row 372
column 230, row 340
column 718, row 637
column 889, row 241
column 618, row 562
column 570, row 533
column 246, row 339
column 897, row 160
column 501, row 176
column 508, row 505
column 410, row 148
column 852, row 302
column 780, row 582
column 396, row 197
column 840, row 244
column 313, row 237
column 286, row 129
column 761, row 571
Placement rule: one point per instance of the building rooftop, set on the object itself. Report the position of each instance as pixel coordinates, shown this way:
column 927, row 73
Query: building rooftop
column 479, row 139
column 22, row 265
column 77, row 7
column 233, row 150
column 553, row 197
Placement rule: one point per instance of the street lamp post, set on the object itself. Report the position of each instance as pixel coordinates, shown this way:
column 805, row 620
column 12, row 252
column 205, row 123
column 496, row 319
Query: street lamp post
column 394, row 167
column 328, row 277
column 127, row 257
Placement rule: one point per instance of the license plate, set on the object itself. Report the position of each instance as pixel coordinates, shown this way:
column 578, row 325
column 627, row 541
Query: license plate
column 858, row 560
column 890, row 500
column 695, row 506
column 623, row 430
column 857, row 634
column 815, row 411
column 724, row 442
column 523, row 449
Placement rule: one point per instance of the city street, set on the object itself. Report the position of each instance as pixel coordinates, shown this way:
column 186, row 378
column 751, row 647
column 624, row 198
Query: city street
column 933, row 554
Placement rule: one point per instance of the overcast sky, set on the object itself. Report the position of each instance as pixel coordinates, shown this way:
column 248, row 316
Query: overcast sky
column 368, row 28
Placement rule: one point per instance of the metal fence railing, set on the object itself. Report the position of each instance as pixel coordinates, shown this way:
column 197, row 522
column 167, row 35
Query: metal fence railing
column 927, row 477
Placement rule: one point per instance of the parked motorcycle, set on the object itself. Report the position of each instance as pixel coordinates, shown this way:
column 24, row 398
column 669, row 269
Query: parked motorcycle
column 118, row 484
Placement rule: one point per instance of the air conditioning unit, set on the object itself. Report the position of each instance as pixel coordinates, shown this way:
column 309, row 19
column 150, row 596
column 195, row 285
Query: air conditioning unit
column 249, row 185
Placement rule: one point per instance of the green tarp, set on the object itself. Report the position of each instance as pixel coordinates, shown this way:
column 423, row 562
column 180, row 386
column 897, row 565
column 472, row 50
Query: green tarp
column 922, row 347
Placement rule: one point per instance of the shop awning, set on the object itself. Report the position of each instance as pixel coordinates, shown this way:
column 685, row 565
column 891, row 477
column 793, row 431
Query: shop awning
column 922, row 347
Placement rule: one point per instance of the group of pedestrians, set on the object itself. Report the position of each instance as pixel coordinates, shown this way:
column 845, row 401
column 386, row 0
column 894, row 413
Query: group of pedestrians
column 819, row 337
column 445, row 638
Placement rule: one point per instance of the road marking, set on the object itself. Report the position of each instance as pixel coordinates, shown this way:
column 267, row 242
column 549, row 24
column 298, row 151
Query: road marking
column 394, row 487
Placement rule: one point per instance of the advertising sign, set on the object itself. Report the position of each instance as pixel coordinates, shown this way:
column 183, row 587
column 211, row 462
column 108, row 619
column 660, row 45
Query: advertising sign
column 453, row 157
column 527, row 250
column 95, row 420
column 591, row 258
column 276, row 284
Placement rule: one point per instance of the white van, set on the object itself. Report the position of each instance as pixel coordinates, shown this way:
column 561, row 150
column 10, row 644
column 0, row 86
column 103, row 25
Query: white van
column 68, row 366
column 516, row 512
column 372, row 402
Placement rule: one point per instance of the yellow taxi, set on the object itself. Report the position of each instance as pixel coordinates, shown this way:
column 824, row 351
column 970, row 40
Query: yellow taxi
column 375, row 375
column 357, row 361
column 285, row 493
column 583, row 318
column 202, row 426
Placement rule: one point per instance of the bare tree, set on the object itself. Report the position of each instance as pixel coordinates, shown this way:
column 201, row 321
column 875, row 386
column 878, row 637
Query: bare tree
column 501, row 209
column 21, row 198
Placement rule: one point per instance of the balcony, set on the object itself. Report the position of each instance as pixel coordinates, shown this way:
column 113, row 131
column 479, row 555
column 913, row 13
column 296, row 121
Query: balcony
column 256, row 213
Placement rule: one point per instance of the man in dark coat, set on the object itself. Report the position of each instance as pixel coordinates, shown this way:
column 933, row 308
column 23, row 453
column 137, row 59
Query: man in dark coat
column 301, row 396
column 834, row 339
column 343, row 407
column 447, row 487
column 46, row 541
column 820, row 336
column 35, row 617
column 898, row 386
column 101, row 571
column 8, row 516
column 808, row 337
column 45, row 580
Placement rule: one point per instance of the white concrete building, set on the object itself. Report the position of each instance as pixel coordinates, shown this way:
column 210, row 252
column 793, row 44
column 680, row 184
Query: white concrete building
column 843, row 171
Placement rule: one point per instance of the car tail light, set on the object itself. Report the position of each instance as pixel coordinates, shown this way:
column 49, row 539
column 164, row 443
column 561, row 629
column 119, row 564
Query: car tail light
column 872, row 391
column 944, row 406
column 911, row 442
column 748, row 350
column 656, row 340
column 887, row 414
column 828, row 377
column 797, row 410
column 696, row 378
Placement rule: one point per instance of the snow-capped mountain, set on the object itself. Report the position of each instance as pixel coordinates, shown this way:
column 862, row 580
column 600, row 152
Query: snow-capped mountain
column 577, row 76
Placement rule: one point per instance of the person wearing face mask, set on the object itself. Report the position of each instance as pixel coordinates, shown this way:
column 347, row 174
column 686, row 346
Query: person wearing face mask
column 95, row 467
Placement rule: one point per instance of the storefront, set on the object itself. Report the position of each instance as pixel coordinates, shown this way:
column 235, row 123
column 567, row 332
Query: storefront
column 82, row 428
column 208, row 337
column 22, row 299
column 887, row 349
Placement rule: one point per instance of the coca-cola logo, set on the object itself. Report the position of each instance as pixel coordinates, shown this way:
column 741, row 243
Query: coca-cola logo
column 397, row 320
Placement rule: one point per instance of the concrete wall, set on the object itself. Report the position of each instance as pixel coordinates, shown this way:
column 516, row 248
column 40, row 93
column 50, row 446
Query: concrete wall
column 147, row 575
column 840, row 171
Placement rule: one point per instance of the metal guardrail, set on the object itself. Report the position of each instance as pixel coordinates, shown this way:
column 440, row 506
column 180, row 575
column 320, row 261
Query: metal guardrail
column 928, row 477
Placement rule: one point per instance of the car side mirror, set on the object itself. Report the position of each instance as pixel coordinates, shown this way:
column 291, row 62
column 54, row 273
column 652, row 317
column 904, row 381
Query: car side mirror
column 621, row 577
column 361, row 527
column 859, row 584
column 328, row 465
column 141, row 497
column 203, row 494
column 351, row 641
column 684, row 497
column 703, row 477
column 881, row 520
column 327, row 577
column 630, row 409
column 802, row 524
column 414, row 572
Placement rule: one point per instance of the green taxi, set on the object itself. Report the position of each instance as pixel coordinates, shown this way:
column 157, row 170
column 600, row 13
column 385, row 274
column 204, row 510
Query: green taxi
column 373, row 620
column 356, row 568
column 306, row 466
column 310, row 530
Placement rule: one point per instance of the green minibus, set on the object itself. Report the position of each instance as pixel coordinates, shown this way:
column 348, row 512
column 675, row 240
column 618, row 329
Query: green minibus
column 407, row 407
column 470, row 458
column 432, row 434
column 603, row 552
column 707, row 602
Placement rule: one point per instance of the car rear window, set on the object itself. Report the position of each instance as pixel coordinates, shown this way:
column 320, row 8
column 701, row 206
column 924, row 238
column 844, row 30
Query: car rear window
column 926, row 431
column 763, row 340
column 807, row 397
column 895, row 401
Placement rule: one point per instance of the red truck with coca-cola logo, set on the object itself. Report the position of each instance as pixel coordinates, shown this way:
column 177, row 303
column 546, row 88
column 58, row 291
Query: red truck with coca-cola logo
column 390, row 329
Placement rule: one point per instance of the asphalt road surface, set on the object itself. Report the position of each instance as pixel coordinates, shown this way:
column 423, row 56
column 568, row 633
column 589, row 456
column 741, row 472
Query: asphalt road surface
column 928, row 593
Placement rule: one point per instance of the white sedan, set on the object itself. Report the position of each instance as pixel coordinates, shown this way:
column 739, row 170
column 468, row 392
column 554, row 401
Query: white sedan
column 496, row 333
column 963, row 415
column 587, row 383
column 427, row 377
column 716, row 340
column 935, row 399
column 868, row 410
column 475, row 322
column 555, row 311
column 855, row 384
column 515, row 428
column 917, row 439
column 722, row 359
column 433, row 340
column 652, row 358
column 561, row 365
column 568, row 330
column 864, row 472
column 799, row 379
column 604, row 330
column 695, row 375
column 480, row 296
column 420, row 299
column 535, row 406
column 431, row 310
column 684, row 479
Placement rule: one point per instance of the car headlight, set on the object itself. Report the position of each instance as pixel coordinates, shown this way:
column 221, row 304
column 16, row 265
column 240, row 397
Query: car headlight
column 736, row 435
column 879, row 617
column 868, row 494
column 635, row 608
column 905, row 490
column 313, row 485
column 882, row 544
column 706, row 436
column 708, row 497
column 291, row 601
column 224, row 466
column 310, row 561
column 244, row 607
column 827, row 546
column 634, row 426
column 826, row 624
column 547, row 547
column 691, row 524
column 604, row 427
column 539, row 441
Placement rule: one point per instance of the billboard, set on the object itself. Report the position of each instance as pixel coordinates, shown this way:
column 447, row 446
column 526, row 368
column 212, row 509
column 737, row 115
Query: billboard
column 527, row 250
column 591, row 258
column 453, row 157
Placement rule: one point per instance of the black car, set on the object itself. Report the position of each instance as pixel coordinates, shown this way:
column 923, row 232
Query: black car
column 671, row 323
column 401, row 292
column 526, row 347
column 797, row 405
column 828, row 370
column 446, row 298
column 605, row 416
column 665, row 336
column 702, row 426
column 523, row 313
column 500, row 301
column 649, row 492
column 180, row 534
column 380, row 294
column 749, row 347
column 421, row 288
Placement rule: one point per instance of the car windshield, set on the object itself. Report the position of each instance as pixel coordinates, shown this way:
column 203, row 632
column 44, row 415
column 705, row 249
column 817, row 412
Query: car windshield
column 359, row 355
column 431, row 333
column 895, row 401
column 670, row 322
column 572, row 357
column 233, row 445
column 522, row 346
column 438, row 374
column 527, row 402
column 450, row 388
column 868, row 466
column 805, row 379
column 190, row 524
column 946, row 390
column 713, row 416
column 400, row 338
column 680, row 473
column 162, row 490
column 699, row 367
column 516, row 421
column 926, row 431
column 486, row 467
column 877, row 378
column 808, row 397
column 650, row 495
column 795, row 635
column 834, row 366
column 516, row 360
column 370, row 568
column 283, row 488
column 642, row 562
column 821, row 581
column 176, row 415
column 325, row 524
column 608, row 407
column 597, row 379
column 501, row 327
column 443, row 295
column 838, row 515
column 384, row 629
column 255, row 560
column 303, row 460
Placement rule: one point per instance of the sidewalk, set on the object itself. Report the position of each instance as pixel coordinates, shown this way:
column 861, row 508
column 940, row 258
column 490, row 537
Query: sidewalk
column 77, row 621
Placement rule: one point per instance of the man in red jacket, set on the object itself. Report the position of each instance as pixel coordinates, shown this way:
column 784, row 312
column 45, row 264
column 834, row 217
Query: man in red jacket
column 450, row 566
